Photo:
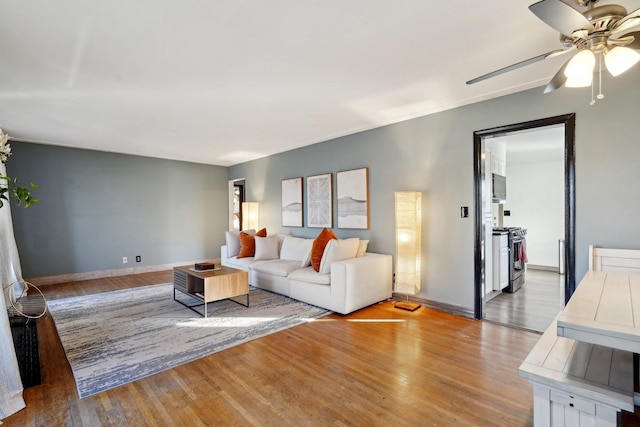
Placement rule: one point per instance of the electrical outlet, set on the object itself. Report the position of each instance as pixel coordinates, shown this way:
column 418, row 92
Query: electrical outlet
column 138, row 258
column 124, row 260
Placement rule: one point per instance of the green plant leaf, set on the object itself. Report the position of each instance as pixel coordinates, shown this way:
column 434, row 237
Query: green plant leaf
column 31, row 201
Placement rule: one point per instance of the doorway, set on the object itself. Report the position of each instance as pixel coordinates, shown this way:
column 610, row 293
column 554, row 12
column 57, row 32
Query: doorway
column 483, row 225
column 236, row 197
column 529, row 165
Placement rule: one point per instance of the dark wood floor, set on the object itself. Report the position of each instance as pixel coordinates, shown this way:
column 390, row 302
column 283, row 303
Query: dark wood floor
column 378, row 366
column 533, row 306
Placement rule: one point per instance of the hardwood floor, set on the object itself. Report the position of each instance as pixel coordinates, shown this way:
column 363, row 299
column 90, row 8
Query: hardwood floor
column 377, row 366
column 533, row 306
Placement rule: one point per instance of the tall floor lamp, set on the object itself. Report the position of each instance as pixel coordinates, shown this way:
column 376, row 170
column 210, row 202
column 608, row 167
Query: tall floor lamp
column 408, row 246
column 250, row 215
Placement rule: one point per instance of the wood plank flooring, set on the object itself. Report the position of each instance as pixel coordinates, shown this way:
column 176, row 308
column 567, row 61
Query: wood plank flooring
column 533, row 306
column 377, row 366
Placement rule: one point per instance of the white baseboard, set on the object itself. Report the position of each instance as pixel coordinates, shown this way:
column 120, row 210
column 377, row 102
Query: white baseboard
column 543, row 267
column 76, row 277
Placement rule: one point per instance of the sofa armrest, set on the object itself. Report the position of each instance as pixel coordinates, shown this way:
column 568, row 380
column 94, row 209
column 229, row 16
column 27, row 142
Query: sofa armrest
column 362, row 281
column 224, row 255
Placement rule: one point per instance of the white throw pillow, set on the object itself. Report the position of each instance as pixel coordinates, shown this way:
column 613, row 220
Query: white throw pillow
column 233, row 243
column 362, row 248
column 297, row 249
column 338, row 250
column 266, row 248
column 306, row 259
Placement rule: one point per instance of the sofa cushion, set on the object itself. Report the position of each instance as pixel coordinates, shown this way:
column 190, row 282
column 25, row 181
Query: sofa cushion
column 248, row 244
column 362, row 248
column 306, row 261
column 267, row 247
column 317, row 249
column 310, row 275
column 338, row 250
column 232, row 239
column 241, row 263
column 296, row 249
column 233, row 243
column 276, row 267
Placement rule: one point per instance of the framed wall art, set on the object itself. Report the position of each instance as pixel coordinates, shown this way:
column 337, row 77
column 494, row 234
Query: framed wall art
column 353, row 198
column 292, row 202
column 320, row 201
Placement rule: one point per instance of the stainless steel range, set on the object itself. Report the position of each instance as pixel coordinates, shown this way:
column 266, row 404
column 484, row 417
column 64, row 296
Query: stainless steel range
column 517, row 256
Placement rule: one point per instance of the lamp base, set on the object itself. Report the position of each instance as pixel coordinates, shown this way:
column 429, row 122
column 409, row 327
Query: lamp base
column 406, row 305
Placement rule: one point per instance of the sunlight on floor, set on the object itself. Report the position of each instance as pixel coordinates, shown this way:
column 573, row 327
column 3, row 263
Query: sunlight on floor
column 232, row 322
column 224, row 322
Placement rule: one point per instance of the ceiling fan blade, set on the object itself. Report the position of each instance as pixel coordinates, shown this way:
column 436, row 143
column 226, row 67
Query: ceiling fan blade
column 635, row 44
column 515, row 66
column 560, row 16
column 629, row 21
column 558, row 80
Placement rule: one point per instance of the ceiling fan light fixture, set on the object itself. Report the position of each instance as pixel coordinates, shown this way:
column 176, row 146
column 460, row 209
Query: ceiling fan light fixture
column 620, row 59
column 579, row 82
column 580, row 66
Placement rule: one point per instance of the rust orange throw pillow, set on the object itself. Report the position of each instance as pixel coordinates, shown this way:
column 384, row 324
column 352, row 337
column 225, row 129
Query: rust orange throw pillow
column 317, row 249
column 248, row 243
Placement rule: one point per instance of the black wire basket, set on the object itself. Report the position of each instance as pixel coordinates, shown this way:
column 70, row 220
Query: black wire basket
column 29, row 301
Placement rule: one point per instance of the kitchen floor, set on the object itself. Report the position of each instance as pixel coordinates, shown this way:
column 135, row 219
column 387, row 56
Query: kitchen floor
column 534, row 306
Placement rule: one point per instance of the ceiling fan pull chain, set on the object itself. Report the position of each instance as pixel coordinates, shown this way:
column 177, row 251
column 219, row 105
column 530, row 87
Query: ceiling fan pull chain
column 600, row 95
column 593, row 101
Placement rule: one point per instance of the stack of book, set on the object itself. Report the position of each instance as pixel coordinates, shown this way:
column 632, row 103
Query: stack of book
column 205, row 266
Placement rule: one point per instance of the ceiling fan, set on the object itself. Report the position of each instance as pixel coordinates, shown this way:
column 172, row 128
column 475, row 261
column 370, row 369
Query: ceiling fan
column 598, row 34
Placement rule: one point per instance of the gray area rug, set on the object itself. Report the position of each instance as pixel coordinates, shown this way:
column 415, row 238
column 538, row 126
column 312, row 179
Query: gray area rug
column 114, row 338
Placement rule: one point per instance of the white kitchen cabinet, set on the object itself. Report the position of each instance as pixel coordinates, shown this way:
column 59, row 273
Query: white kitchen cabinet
column 487, row 225
column 498, row 161
column 500, row 262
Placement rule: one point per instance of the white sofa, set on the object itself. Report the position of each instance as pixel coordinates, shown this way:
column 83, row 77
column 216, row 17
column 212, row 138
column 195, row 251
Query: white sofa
column 342, row 286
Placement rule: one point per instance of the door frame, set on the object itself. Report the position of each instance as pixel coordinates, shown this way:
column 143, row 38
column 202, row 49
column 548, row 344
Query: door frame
column 569, row 122
column 232, row 184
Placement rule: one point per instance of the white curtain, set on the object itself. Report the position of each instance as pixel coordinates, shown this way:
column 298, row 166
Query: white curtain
column 11, row 400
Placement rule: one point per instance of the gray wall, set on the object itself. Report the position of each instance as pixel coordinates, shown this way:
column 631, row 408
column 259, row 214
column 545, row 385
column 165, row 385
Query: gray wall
column 434, row 154
column 97, row 207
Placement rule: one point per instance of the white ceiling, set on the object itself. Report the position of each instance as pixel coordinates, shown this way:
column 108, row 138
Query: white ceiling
column 223, row 82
